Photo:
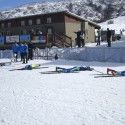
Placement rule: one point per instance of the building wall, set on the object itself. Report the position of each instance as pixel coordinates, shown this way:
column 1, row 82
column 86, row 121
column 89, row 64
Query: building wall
column 70, row 28
column 61, row 23
column 91, row 33
column 72, row 25
column 57, row 24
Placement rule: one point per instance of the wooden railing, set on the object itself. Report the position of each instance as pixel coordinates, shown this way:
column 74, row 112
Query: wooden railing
column 59, row 40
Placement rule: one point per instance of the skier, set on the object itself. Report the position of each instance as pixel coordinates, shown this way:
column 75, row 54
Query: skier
column 56, row 57
column 82, row 38
column 98, row 40
column 73, row 69
column 15, row 49
column 109, row 37
column 30, row 51
column 115, row 73
column 30, row 67
column 66, row 70
column 78, row 33
column 24, row 53
column 21, row 46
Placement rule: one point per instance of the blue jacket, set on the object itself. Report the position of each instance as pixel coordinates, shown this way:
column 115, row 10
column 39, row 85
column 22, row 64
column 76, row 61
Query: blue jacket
column 15, row 48
column 23, row 48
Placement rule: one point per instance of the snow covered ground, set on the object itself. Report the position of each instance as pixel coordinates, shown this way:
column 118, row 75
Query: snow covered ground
column 32, row 98
column 119, row 24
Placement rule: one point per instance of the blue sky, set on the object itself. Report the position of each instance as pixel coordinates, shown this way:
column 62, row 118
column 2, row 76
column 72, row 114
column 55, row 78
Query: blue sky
column 7, row 4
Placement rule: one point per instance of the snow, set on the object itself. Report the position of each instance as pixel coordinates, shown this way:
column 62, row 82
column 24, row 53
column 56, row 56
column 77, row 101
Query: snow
column 4, row 60
column 119, row 24
column 32, row 98
column 29, row 97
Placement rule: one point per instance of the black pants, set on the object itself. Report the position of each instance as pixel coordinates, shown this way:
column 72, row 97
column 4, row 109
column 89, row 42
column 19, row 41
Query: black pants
column 109, row 42
column 21, row 55
column 25, row 59
column 83, row 42
column 78, row 42
column 30, row 54
column 98, row 41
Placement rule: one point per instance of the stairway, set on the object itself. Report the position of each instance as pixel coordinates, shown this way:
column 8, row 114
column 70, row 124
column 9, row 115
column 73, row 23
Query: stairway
column 59, row 40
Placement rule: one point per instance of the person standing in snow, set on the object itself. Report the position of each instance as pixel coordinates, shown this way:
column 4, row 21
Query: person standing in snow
column 82, row 38
column 21, row 46
column 15, row 49
column 30, row 51
column 98, row 37
column 109, row 37
column 56, row 57
column 78, row 33
column 25, row 53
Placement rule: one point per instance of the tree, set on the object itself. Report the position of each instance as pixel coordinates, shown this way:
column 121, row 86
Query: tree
column 79, row 12
column 70, row 7
column 107, row 14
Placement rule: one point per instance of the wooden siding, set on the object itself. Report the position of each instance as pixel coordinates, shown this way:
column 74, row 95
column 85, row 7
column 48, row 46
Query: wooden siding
column 56, row 18
column 70, row 29
column 70, row 19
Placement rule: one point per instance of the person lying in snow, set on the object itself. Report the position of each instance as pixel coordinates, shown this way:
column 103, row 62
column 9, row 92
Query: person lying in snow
column 30, row 67
column 115, row 73
column 73, row 69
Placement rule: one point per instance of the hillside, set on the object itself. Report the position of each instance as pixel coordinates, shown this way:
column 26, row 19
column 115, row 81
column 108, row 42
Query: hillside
column 96, row 10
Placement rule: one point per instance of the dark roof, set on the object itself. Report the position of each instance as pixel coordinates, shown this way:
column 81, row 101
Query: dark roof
column 65, row 12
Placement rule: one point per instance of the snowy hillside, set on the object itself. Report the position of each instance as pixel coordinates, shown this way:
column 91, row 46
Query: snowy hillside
column 98, row 10
column 117, row 25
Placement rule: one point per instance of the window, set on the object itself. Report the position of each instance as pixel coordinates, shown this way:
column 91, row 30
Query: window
column 49, row 20
column 38, row 21
column 30, row 22
column 2, row 25
column 7, row 32
column 9, row 24
column 22, row 23
column 49, row 31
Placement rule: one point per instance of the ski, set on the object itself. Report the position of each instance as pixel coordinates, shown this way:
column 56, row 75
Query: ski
column 106, row 75
column 56, row 72
column 5, row 63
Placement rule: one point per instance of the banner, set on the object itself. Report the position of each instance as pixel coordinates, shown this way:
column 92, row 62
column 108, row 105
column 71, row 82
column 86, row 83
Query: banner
column 42, row 39
column 12, row 39
column 35, row 39
column 24, row 38
column 38, row 39
column 2, row 40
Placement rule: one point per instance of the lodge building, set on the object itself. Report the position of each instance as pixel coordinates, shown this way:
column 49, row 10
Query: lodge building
column 58, row 27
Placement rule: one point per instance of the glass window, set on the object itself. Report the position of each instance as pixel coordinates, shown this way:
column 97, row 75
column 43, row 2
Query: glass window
column 49, row 30
column 9, row 24
column 38, row 21
column 22, row 23
column 2, row 25
column 30, row 22
column 49, row 20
